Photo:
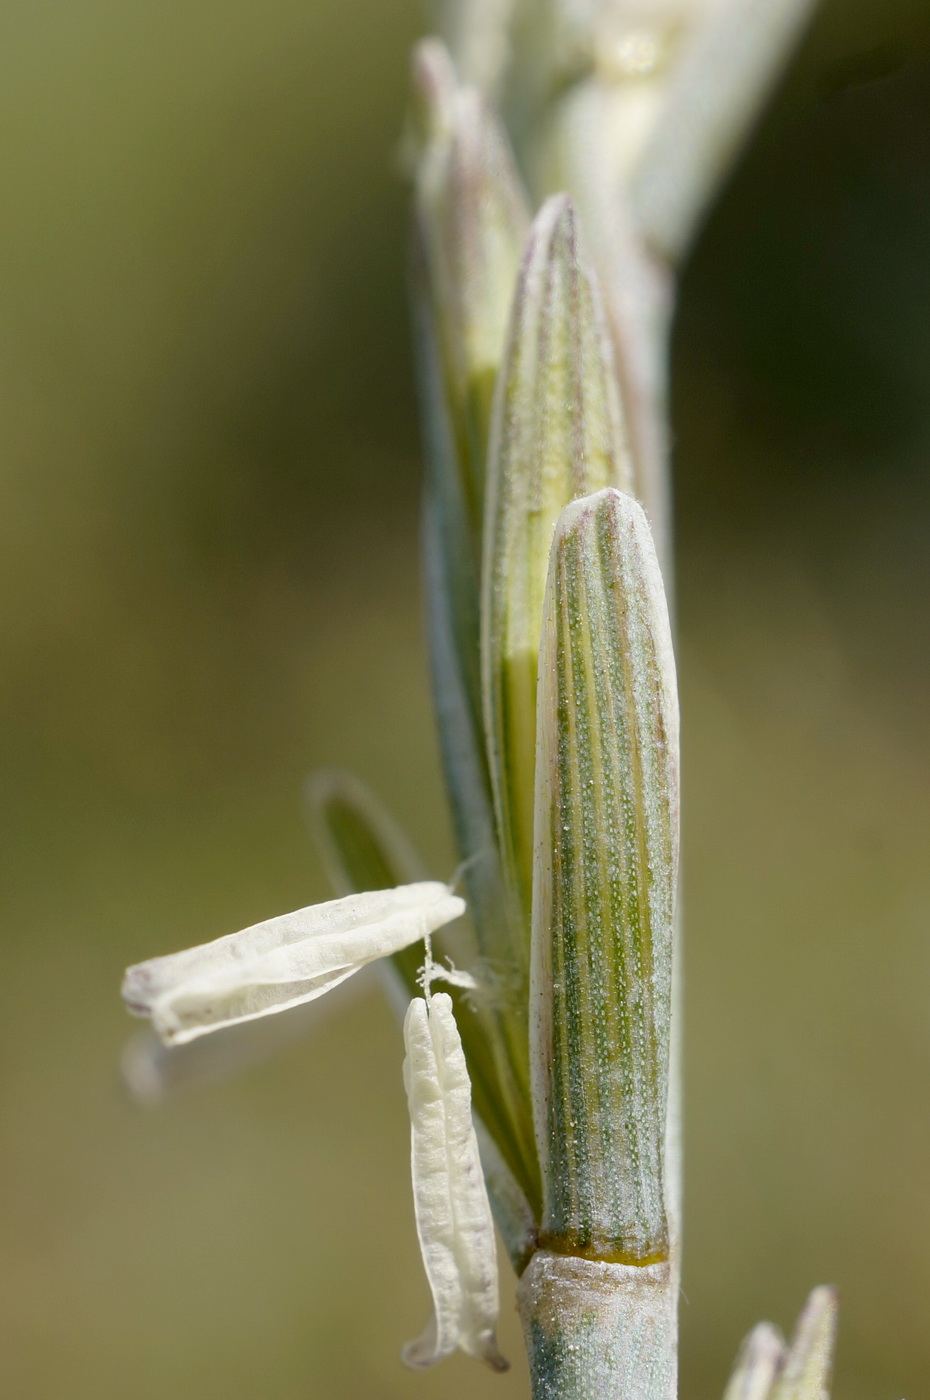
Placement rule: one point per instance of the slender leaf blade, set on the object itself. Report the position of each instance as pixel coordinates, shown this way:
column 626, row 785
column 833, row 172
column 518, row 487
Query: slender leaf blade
column 806, row 1371
column 760, row 1359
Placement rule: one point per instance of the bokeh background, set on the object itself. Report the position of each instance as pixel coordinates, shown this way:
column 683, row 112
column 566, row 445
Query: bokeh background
column 208, row 548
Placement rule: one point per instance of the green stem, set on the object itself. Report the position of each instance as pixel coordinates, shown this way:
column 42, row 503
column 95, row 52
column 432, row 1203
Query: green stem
column 598, row 1331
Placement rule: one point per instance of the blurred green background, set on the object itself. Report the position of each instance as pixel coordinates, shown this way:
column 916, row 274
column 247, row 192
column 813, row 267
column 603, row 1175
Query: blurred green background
column 209, row 555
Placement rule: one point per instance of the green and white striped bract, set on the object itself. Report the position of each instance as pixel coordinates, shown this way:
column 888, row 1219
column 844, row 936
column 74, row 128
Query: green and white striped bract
column 604, row 885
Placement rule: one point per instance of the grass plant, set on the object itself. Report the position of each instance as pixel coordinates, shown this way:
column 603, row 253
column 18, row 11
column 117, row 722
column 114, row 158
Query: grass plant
column 562, row 156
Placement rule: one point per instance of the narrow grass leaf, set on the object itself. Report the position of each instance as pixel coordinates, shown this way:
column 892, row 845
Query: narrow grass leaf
column 805, row 1374
column 512, row 1213
column 471, row 218
column 470, row 224
column 758, row 1364
column 362, row 847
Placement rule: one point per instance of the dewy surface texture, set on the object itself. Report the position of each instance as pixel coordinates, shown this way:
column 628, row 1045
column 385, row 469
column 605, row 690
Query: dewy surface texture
column 604, row 888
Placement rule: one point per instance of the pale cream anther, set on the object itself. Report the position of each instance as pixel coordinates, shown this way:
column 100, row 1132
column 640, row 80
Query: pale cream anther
column 453, row 1214
column 282, row 962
